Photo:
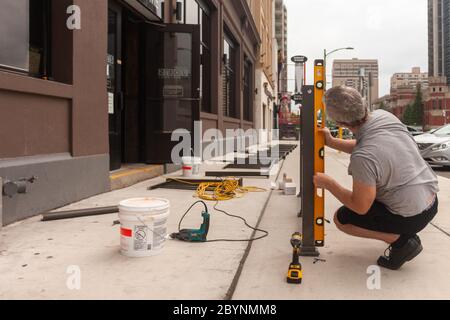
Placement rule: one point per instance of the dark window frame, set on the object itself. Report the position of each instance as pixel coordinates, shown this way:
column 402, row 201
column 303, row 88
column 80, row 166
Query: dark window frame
column 230, row 74
column 248, row 81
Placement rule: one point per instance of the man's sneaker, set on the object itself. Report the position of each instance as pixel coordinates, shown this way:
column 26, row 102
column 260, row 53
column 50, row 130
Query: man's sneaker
column 417, row 238
column 395, row 258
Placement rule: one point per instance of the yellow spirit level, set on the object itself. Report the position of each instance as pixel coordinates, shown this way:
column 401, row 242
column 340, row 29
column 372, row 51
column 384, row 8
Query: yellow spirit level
column 312, row 161
column 319, row 151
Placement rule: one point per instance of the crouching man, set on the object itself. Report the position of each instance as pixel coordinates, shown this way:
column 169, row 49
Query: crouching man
column 394, row 194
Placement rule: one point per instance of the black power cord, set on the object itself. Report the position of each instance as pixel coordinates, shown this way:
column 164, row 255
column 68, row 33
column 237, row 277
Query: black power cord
column 189, row 210
column 266, row 233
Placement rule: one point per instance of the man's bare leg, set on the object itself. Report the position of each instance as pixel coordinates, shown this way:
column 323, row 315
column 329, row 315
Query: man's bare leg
column 367, row 234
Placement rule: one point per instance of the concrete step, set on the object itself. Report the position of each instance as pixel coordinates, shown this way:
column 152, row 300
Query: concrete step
column 131, row 174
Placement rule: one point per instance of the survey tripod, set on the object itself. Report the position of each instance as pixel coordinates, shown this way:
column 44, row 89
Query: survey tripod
column 312, row 161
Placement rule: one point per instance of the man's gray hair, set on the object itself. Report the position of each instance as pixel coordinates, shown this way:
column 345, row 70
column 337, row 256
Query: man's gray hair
column 345, row 105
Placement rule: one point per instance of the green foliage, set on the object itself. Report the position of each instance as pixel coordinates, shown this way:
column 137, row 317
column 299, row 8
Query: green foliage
column 413, row 115
column 408, row 115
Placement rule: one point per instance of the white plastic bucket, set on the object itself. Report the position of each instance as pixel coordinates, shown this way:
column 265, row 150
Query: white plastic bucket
column 191, row 166
column 143, row 229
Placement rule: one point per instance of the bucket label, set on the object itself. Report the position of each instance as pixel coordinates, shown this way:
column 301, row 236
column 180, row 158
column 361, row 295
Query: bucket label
column 159, row 234
column 145, row 237
column 141, row 239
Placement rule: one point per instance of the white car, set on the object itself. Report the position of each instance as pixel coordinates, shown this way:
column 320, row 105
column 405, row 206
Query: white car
column 415, row 131
column 435, row 147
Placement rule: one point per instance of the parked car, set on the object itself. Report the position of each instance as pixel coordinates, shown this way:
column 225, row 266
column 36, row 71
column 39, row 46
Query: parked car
column 435, row 147
column 433, row 130
column 334, row 132
column 415, row 131
column 346, row 133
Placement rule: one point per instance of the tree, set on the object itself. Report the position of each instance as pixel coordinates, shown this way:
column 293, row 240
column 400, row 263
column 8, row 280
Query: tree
column 413, row 115
column 408, row 115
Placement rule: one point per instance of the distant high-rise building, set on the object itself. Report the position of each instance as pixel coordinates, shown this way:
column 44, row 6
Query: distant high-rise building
column 439, row 38
column 437, row 96
column 413, row 79
column 362, row 75
column 281, row 36
column 266, row 75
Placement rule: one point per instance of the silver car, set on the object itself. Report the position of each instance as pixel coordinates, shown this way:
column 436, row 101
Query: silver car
column 435, row 147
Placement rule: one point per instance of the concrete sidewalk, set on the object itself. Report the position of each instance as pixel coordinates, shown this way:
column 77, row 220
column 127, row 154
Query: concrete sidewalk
column 35, row 256
column 344, row 274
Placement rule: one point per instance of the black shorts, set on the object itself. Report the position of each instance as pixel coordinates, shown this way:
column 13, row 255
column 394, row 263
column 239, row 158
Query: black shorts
column 380, row 219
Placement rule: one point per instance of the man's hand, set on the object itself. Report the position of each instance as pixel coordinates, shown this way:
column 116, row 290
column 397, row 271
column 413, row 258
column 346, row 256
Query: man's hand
column 328, row 137
column 346, row 146
column 323, row 181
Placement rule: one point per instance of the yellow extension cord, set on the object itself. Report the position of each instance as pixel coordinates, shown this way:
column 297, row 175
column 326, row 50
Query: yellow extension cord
column 227, row 189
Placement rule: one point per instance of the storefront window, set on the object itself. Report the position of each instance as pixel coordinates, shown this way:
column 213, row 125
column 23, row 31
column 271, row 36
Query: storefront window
column 198, row 13
column 24, row 36
column 154, row 5
column 192, row 12
column 14, row 34
column 229, row 77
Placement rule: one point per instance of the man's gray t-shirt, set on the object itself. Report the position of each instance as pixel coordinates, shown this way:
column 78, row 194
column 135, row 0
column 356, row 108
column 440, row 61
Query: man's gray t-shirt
column 386, row 156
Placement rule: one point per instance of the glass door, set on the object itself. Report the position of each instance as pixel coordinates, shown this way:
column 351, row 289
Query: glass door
column 172, row 86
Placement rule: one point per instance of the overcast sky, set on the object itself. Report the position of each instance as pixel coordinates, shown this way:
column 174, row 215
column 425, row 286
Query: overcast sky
column 392, row 31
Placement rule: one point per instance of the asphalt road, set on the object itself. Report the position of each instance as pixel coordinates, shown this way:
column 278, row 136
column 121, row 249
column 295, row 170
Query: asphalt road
column 443, row 172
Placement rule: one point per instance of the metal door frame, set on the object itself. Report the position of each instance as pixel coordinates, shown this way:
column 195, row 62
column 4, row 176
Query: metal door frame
column 116, row 137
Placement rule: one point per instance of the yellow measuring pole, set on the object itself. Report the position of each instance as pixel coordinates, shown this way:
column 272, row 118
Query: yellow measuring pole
column 319, row 157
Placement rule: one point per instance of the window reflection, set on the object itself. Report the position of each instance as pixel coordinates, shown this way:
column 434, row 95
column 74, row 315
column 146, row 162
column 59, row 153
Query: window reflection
column 14, row 34
column 177, row 79
column 229, row 77
column 24, row 36
column 192, row 12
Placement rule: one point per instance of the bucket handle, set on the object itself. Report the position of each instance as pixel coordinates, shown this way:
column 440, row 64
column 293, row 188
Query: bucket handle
column 141, row 219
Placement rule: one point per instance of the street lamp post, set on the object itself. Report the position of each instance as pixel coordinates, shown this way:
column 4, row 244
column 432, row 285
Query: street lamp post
column 325, row 56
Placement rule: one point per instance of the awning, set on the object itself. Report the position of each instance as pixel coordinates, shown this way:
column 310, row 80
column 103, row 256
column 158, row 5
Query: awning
column 150, row 9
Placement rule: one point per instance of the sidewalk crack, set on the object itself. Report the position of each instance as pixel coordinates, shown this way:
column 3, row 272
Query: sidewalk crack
column 237, row 276
column 440, row 229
